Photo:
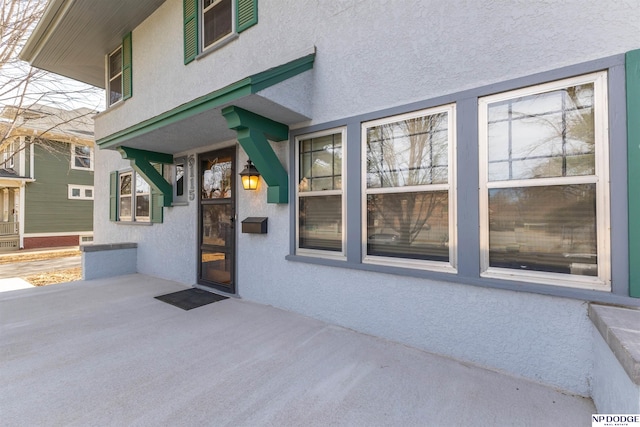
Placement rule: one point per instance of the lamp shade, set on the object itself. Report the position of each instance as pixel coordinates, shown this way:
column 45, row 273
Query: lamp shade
column 250, row 176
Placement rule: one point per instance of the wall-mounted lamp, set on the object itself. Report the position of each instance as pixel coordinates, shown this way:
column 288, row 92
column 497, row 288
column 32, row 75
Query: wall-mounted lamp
column 250, row 176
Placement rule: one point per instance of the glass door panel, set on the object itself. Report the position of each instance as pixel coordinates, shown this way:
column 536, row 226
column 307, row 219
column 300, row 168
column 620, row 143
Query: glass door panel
column 217, row 220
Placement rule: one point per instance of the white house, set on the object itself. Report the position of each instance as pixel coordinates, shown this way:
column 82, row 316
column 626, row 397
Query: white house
column 450, row 175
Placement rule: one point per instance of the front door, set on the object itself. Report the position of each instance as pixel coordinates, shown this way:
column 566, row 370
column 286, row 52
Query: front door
column 217, row 212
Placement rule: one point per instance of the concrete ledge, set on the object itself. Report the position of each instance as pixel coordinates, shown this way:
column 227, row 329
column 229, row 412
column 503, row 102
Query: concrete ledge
column 620, row 328
column 107, row 247
column 108, row 260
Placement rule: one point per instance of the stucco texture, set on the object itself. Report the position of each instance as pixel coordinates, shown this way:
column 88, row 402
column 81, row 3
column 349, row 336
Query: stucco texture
column 371, row 56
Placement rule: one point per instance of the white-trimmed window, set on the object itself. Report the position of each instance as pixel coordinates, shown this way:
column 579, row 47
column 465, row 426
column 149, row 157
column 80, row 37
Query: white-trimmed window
column 120, row 72
column 81, row 157
column 218, row 21
column 133, row 196
column 544, row 197
column 408, row 186
column 320, row 207
column 8, row 155
column 80, row 192
column 114, row 90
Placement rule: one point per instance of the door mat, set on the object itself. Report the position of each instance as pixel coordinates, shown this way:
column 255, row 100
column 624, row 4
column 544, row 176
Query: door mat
column 190, row 298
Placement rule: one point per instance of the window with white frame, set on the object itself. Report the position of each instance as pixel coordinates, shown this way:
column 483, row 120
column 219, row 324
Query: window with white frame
column 217, row 21
column 544, row 197
column 409, row 200
column 133, row 197
column 320, row 197
column 8, row 155
column 115, row 76
column 81, row 157
column 80, row 192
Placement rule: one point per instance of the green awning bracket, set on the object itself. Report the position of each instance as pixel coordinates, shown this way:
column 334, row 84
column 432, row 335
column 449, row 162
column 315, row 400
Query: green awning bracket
column 141, row 162
column 254, row 132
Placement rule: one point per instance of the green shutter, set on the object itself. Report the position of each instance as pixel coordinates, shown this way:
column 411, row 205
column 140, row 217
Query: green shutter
column 246, row 14
column 156, row 200
column 113, row 196
column 190, row 16
column 127, row 89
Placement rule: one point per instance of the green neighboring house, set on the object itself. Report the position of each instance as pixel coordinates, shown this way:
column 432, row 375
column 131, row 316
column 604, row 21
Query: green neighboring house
column 46, row 177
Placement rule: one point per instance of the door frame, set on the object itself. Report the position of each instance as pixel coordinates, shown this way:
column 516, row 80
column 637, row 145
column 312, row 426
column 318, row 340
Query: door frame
column 201, row 282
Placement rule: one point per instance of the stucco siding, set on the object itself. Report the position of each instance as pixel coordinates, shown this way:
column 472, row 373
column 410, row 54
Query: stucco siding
column 375, row 55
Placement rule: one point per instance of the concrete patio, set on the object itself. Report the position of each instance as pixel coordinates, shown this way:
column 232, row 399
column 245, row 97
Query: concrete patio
column 105, row 352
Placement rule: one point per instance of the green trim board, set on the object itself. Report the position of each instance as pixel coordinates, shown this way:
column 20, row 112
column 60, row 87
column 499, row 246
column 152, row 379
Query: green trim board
column 253, row 133
column 632, row 61
column 141, row 163
column 247, row 86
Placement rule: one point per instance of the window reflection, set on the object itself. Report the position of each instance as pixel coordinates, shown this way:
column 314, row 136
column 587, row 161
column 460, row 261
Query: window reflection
column 543, row 135
column 544, row 228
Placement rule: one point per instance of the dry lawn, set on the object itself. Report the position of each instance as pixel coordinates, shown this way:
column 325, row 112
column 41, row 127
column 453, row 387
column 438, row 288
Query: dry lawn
column 51, row 277
column 36, row 256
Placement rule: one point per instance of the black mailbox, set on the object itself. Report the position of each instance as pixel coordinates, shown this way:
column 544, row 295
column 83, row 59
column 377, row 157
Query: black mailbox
column 255, row 224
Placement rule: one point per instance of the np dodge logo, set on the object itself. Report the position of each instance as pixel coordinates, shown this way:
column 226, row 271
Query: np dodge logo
column 615, row 420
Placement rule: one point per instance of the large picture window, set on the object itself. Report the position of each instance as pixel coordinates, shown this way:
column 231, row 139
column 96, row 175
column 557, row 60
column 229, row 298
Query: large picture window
column 320, row 204
column 543, row 183
column 409, row 208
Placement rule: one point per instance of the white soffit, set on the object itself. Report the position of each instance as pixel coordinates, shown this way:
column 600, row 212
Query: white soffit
column 73, row 36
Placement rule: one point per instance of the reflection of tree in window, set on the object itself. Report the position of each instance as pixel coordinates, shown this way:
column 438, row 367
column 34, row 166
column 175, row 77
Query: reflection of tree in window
column 408, row 153
column 544, row 135
column 82, row 157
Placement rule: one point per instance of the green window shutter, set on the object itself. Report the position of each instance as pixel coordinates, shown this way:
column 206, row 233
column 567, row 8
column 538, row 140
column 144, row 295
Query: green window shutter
column 246, row 14
column 190, row 16
column 113, row 196
column 127, row 89
column 156, row 200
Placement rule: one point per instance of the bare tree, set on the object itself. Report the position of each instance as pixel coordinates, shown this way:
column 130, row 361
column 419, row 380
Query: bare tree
column 28, row 94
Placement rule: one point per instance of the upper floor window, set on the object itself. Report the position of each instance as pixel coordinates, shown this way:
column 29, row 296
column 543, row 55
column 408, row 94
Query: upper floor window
column 543, row 183
column 115, row 76
column 409, row 200
column 217, row 21
column 119, row 84
column 320, row 196
column 81, row 157
column 211, row 23
column 8, row 155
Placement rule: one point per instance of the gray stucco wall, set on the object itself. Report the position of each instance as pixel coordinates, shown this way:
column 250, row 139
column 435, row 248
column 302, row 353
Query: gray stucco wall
column 371, row 58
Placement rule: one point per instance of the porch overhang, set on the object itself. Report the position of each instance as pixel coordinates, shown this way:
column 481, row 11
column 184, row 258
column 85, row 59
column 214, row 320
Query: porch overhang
column 280, row 94
column 252, row 111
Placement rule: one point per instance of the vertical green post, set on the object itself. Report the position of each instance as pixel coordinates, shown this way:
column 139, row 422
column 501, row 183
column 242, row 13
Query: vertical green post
column 633, row 156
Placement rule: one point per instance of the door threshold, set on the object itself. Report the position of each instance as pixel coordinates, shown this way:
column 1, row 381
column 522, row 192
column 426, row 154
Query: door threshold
column 216, row 291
